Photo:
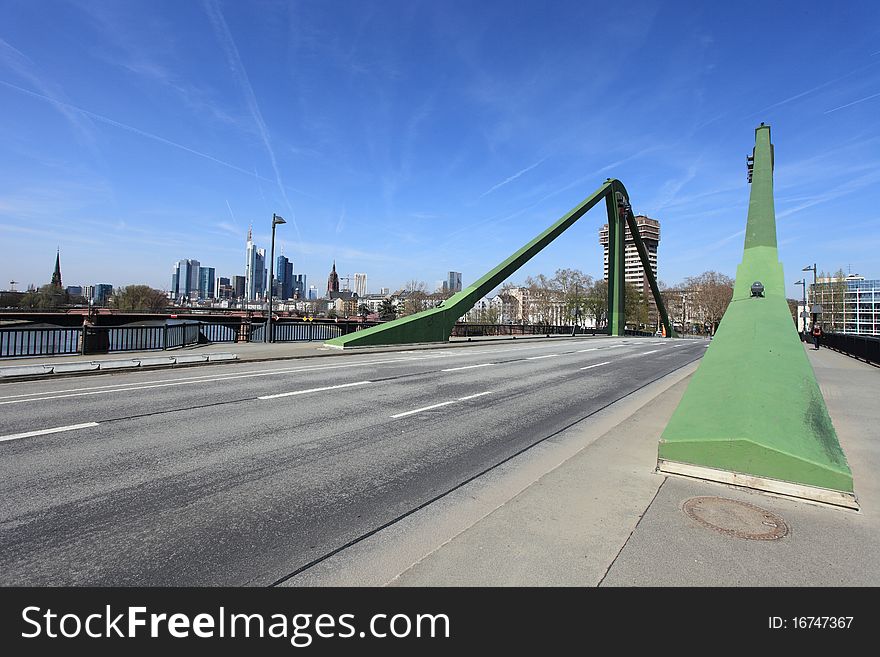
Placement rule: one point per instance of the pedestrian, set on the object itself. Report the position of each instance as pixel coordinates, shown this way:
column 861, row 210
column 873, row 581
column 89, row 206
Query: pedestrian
column 816, row 333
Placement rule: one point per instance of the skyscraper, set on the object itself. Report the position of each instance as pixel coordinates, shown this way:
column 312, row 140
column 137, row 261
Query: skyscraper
column 332, row 281
column 453, row 282
column 254, row 270
column 206, row 283
column 238, row 286
column 360, row 285
column 185, row 279
column 103, row 292
column 634, row 272
column 284, row 284
column 299, row 289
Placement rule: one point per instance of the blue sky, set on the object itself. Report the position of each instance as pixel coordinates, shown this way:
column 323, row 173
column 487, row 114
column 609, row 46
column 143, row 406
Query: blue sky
column 406, row 139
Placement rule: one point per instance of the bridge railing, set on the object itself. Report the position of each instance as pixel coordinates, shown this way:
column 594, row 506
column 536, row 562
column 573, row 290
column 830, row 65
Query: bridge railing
column 863, row 347
column 42, row 341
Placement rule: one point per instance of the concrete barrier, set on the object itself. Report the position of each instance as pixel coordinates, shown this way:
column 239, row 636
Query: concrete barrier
column 79, row 366
column 25, row 370
column 190, row 358
column 154, row 361
column 118, row 364
column 219, row 357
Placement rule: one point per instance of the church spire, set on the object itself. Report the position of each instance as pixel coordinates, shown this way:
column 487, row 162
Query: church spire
column 56, row 275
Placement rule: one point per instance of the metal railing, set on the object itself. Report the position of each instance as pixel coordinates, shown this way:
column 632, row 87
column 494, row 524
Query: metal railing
column 863, row 347
column 39, row 341
column 225, row 331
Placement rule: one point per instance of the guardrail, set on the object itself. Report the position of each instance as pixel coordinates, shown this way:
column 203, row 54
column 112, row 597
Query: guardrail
column 39, row 341
column 863, row 347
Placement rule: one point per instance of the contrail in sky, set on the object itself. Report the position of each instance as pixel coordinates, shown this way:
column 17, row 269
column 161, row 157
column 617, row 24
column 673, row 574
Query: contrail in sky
column 129, row 128
column 512, row 178
column 241, row 76
column 855, row 102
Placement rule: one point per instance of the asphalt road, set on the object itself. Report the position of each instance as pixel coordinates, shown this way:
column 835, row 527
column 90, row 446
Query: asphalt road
column 244, row 474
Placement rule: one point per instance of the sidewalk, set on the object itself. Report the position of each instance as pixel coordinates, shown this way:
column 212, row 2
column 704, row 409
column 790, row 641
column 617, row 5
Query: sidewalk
column 603, row 517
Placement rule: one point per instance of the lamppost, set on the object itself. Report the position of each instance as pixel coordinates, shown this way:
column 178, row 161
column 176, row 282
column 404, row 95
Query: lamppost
column 812, row 291
column 803, row 284
column 267, row 334
column 577, row 309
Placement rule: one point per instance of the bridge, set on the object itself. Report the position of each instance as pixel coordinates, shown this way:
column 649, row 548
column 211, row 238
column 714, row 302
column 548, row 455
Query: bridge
column 496, row 461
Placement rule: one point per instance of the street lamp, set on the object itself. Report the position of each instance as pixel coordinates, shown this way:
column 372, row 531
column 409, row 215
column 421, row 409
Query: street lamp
column 267, row 334
column 812, row 290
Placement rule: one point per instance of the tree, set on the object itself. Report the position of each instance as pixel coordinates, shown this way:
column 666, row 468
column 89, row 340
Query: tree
column 597, row 303
column 711, row 293
column 573, row 285
column 793, row 309
column 48, row 297
column 387, row 310
column 363, row 310
column 635, row 306
column 139, row 298
column 416, row 293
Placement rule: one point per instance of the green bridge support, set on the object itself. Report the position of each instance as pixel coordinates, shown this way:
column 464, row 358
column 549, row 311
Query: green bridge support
column 436, row 324
column 753, row 414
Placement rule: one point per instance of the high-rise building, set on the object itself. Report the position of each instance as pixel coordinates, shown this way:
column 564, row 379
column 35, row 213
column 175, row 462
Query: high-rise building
column 56, row 275
column 206, row 283
column 313, row 293
column 88, row 292
column 299, row 288
column 185, row 279
column 284, row 274
column 103, row 292
column 360, row 285
column 384, row 291
column 634, row 272
column 222, row 288
column 254, row 270
column 74, row 290
column 238, row 286
column 453, row 282
column 332, row 281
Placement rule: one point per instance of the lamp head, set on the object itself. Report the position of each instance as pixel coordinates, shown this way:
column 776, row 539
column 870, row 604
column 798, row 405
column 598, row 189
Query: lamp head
column 277, row 219
column 757, row 289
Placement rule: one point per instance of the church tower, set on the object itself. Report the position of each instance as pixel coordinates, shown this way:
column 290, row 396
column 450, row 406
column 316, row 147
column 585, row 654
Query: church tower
column 56, row 275
column 333, row 281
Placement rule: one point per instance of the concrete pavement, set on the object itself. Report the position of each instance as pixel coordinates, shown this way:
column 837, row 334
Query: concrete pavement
column 603, row 517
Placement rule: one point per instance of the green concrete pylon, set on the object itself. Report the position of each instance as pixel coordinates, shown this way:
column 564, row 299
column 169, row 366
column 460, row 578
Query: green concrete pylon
column 753, row 414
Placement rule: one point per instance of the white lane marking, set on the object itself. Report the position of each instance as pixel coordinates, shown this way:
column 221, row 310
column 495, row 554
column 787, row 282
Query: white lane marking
column 424, row 408
column 584, row 350
column 538, row 357
column 645, row 353
column 467, row 367
column 100, row 390
column 43, row 432
column 446, row 403
column 479, row 394
column 589, row 367
column 304, row 392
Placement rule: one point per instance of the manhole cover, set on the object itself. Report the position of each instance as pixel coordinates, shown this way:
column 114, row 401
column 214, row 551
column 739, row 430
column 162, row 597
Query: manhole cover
column 734, row 518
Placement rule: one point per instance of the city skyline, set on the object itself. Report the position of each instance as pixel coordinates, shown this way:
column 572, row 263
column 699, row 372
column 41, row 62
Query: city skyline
column 178, row 126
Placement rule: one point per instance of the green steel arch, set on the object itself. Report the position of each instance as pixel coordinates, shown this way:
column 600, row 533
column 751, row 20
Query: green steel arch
column 436, row 324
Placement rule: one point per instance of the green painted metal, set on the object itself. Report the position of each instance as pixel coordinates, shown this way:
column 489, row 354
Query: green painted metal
column 646, row 265
column 616, row 261
column 436, row 324
column 753, row 406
